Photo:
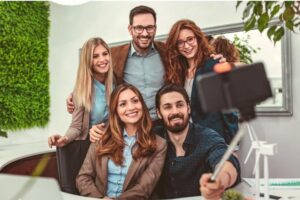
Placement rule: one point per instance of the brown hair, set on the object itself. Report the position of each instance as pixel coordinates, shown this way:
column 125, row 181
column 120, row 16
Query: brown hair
column 223, row 46
column 171, row 88
column 141, row 10
column 113, row 142
column 177, row 64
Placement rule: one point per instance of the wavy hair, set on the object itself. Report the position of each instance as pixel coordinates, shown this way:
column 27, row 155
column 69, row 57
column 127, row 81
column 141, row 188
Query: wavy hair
column 113, row 144
column 83, row 90
column 177, row 64
column 223, row 46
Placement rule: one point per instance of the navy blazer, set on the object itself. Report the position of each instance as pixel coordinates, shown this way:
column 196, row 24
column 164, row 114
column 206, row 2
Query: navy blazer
column 226, row 124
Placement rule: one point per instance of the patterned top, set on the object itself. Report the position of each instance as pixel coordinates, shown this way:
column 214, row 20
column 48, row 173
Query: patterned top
column 204, row 149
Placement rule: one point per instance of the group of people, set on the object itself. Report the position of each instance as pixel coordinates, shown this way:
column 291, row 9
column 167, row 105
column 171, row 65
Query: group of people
column 139, row 105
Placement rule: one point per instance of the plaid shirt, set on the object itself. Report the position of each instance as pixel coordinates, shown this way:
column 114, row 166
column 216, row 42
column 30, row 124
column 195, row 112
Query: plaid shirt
column 204, row 148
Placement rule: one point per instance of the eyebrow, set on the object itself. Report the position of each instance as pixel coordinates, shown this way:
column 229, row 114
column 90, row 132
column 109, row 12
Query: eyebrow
column 129, row 99
column 180, row 101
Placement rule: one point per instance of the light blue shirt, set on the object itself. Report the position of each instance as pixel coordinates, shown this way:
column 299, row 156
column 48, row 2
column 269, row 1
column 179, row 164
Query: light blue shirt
column 99, row 111
column 146, row 72
column 117, row 174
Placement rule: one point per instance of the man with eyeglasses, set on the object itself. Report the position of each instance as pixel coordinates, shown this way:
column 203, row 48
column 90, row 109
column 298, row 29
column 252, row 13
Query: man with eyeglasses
column 141, row 62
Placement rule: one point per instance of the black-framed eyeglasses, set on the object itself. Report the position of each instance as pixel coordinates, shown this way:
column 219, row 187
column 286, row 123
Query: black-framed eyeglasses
column 190, row 40
column 139, row 28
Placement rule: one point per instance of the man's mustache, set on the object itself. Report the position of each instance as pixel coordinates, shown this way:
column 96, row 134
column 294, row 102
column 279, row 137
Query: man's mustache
column 177, row 115
column 144, row 37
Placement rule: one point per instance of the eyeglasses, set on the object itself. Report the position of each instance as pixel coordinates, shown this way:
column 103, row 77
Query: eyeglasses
column 190, row 40
column 139, row 29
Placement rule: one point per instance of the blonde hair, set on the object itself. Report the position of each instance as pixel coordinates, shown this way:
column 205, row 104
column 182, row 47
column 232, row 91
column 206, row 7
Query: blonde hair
column 83, row 90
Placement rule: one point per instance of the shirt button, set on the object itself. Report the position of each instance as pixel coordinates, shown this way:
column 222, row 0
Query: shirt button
column 172, row 163
column 172, row 178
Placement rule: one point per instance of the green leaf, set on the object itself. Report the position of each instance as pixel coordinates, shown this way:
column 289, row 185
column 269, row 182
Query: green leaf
column 271, row 31
column 3, row 133
column 290, row 25
column 249, row 24
column 275, row 11
column 258, row 8
column 247, row 10
column 288, row 14
column 262, row 22
column 238, row 4
column 269, row 4
column 288, row 3
column 281, row 17
column 278, row 34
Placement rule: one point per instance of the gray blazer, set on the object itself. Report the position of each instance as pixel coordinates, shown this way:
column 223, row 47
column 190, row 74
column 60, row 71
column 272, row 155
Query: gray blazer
column 142, row 176
column 79, row 127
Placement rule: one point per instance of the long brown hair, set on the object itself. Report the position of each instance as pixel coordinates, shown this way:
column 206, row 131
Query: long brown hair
column 177, row 67
column 83, row 90
column 223, row 46
column 113, row 142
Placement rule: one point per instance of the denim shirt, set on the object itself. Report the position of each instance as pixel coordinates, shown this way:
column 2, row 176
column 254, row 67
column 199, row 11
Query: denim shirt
column 99, row 111
column 146, row 72
column 226, row 124
column 116, row 173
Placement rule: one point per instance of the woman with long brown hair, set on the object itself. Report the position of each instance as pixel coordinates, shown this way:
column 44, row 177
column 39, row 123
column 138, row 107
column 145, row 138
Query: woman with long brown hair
column 188, row 55
column 127, row 162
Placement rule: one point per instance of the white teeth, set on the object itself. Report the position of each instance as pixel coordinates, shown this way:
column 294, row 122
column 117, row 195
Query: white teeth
column 133, row 114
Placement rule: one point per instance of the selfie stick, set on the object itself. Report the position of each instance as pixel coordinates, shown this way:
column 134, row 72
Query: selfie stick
column 229, row 151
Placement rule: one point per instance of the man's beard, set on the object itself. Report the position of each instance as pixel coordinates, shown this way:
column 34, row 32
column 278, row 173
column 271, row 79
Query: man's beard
column 141, row 47
column 177, row 127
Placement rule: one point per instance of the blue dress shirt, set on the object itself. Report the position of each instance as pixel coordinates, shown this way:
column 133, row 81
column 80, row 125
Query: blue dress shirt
column 146, row 72
column 99, row 111
column 116, row 173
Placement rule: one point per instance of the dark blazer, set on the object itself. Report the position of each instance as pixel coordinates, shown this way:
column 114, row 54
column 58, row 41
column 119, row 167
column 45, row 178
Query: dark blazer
column 120, row 55
column 226, row 124
column 142, row 176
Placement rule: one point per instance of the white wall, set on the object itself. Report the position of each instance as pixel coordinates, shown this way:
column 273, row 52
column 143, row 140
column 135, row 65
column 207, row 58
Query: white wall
column 72, row 25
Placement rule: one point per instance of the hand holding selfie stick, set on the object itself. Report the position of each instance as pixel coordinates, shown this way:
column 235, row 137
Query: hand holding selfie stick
column 240, row 88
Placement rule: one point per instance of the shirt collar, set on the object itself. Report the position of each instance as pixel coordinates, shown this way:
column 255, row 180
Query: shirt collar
column 134, row 52
column 125, row 134
column 99, row 84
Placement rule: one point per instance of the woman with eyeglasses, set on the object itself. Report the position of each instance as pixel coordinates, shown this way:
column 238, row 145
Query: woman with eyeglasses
column 188, row 56
column 127, row 162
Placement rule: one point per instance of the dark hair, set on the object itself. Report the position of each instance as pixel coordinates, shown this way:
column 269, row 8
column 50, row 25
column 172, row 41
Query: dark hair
column 171, row 88
column 225, row 47
column 141, row 10
column 209, row 38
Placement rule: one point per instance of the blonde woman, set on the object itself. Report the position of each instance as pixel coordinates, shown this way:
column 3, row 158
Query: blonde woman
column 91, row 94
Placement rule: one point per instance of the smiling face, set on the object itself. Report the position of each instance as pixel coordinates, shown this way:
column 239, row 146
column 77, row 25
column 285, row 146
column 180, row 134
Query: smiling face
column 187, row 44
column 174, row 111
column 142, row 41
column 129, row 108
column 101, row 60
